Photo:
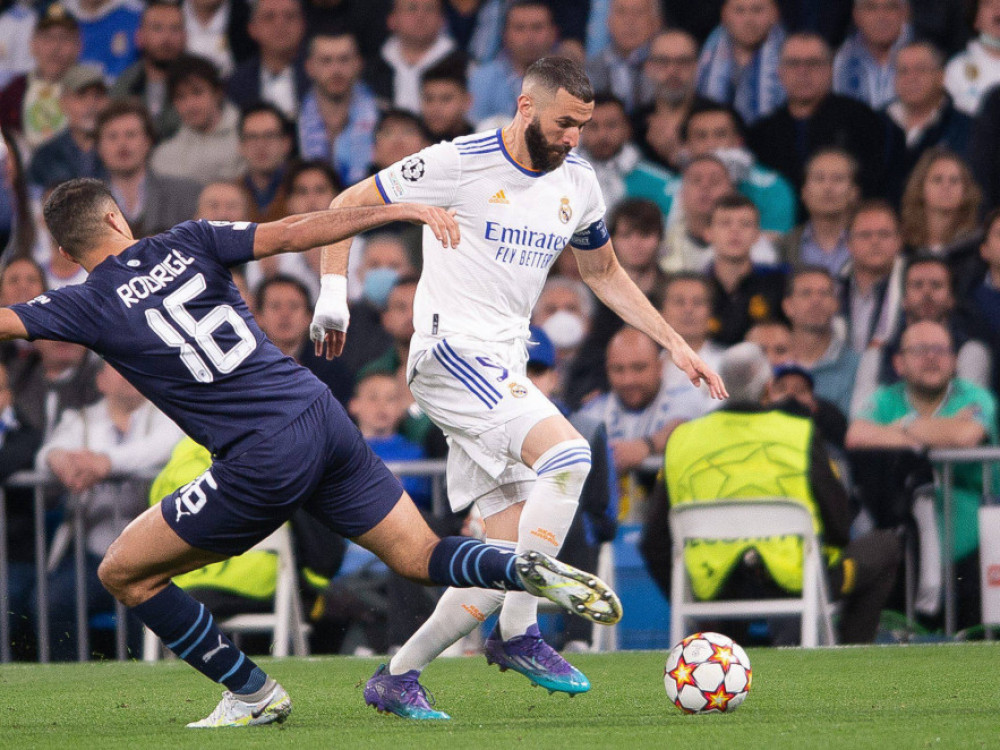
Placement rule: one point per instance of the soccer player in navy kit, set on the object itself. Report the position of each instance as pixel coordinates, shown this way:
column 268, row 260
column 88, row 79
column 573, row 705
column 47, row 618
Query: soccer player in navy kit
column 164, row 312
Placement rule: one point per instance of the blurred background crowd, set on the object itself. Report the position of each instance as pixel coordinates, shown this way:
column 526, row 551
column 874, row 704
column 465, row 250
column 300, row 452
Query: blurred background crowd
column 818, row 177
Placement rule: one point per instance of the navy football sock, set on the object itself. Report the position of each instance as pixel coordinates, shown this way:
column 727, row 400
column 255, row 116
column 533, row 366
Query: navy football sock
column 467, row 563
column 188, row 629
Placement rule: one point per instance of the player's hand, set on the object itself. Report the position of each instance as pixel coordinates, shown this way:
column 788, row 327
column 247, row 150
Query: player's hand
column 697, row 371
column 441, row 222
column 331, row 316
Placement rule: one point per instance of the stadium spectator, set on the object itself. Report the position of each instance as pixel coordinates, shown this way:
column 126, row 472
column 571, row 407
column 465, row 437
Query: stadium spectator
column 621, row 170
column 637, row 412
column 984, row 148
column 17, row 21
column 19, row 442
column 72, row 153
column 266, row 142
column 873, row 282
column 636, row 229
column 160, row 39
column 107, row 32
column 223, row 201
column 687, row 308
column 923, row 109
column 399, row 134
column 418, row 41
column 738, row 64
column 276, row 73
column 931, row 407
column 671, row 67
column 283, row 310
column 29, row 103
column 973, row 72
column 744, row 292
column 813, row 117
column 986, row 295
column 781, row 440
column 830, row 194
column 18, row 233
column 122, row 436
column 774, row 337
column 793, row 381
column 339, row 114
column 309, row 186
column 153, row 203
column 818, row 344
column 218, row 30
column 445, row 100
column 704, row 181
column 865, row 66
column 929, row 295
column 617, row 70
column 384, row 259
column 529, row 33
column 564, row 311
column 378, row 407
column 717, row 130
column 940, row 215
column 207, row 145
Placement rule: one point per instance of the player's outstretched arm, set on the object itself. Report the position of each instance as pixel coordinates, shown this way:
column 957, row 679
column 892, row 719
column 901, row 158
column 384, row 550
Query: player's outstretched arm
column 295, row 234
column 600, row 270
column 11, row 326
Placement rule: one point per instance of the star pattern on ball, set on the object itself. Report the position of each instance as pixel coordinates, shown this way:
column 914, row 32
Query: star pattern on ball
column 719, row 700
column 722, row 655
column 683, row 674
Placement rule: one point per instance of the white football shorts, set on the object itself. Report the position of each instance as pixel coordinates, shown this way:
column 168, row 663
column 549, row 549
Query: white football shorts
column 481, row 398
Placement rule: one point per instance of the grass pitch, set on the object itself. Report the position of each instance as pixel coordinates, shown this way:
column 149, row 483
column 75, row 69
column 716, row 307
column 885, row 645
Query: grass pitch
column 891, row 698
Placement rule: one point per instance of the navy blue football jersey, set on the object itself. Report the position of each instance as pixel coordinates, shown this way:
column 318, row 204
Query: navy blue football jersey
column 166, row 314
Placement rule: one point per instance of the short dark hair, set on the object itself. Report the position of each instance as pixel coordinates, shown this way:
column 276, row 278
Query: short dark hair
column 188, row 67
column 311, row 165
column 451, row 69
column 639, row 213
column 698, row 278
column 710, row 107
column 873, row 205
column 554, row 73
column 287, row 280
column 123, row 108
column 287, row 128
column 405, row 116
column 74, row 214
column 808, row 269
column 926, row 259
column 733, row 201
column 604, row 99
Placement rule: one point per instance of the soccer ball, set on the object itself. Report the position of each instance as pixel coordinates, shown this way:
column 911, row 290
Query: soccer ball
column 707, row 673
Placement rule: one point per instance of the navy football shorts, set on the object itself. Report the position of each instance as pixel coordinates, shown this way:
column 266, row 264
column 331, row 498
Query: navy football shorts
column 319, row 462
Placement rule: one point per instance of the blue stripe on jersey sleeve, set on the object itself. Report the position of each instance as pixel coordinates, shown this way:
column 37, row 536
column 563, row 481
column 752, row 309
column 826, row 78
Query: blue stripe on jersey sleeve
column 381, row 190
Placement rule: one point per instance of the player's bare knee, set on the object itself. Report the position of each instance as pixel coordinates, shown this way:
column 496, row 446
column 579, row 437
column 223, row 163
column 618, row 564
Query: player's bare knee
column 113, row 575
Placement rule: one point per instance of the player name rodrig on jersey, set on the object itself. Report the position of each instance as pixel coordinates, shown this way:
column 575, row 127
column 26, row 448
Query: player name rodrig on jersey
column 523, row 246
column 161, row 275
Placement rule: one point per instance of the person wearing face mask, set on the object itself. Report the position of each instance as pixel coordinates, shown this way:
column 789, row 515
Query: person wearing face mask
column 972, row 73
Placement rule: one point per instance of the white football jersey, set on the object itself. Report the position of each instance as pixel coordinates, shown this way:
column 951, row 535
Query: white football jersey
column 514, row 223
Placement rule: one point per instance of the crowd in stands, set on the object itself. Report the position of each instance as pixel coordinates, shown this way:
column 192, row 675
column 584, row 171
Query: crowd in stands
column 820, row 178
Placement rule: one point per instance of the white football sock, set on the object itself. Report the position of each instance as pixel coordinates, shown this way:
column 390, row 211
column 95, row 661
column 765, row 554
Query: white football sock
column 458, row 613
column 545, row 520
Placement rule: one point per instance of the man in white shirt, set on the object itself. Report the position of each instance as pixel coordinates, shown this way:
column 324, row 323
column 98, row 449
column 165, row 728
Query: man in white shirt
column 971, row 73
column 519, row 198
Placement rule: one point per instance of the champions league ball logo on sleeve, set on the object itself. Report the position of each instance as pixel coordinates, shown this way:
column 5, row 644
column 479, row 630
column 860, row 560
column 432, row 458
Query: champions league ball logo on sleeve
column 413, row 169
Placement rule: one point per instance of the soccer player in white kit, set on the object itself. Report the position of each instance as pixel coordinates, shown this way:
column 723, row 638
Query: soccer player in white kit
column 520, row 197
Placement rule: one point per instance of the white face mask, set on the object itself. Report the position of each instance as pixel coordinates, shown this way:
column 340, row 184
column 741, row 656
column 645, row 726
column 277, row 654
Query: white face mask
column 566, row 329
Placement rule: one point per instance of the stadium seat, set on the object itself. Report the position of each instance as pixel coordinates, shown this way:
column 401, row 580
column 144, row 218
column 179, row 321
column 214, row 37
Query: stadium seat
column 737, row 519
column 286, row 622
